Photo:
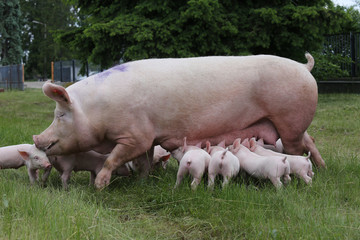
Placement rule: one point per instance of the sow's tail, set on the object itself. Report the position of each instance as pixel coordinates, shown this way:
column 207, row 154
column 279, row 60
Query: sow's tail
column 310, row 64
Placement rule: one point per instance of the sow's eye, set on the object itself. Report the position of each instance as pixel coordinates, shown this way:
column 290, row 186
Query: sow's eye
column 59, row 115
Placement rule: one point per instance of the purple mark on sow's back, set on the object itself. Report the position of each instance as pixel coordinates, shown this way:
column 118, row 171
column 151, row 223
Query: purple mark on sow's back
column 103, row 75
column 121, row 68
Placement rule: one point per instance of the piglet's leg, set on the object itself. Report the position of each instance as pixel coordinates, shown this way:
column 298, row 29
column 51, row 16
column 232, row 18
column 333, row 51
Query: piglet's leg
column 287, row 179
column 306, row 178
column 276, row 181
column 225, row 181
column 92, row 178
column 32, row 175
column 182, row 171
column 46, row 175
column 178, row 181
column 211, row 181
column 195, row 183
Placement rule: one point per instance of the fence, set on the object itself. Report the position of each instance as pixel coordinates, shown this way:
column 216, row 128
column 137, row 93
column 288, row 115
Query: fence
column 12, row 77
column 346, row 45
column 69, row 71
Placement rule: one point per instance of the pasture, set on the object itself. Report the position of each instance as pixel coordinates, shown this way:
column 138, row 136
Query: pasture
column 150, row 209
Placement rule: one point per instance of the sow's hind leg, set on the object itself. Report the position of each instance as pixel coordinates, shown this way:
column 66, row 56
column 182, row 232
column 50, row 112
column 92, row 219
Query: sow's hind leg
column 309, row 143
column 297, row 141
column 301, row 144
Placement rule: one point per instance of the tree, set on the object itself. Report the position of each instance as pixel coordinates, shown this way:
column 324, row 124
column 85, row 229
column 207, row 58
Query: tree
column 10, row 31
column 354, row 14
column 41, row 19
column 138, row 29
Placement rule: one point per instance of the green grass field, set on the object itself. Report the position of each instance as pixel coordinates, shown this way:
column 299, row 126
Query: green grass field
column 150, row 209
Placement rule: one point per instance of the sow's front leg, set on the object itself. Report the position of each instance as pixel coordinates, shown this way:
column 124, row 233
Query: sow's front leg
column 121, row 154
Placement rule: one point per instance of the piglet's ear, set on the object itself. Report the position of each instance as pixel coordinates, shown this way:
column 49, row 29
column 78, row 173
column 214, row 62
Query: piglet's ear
column 185, row 145
column 208, row 145
column 261, row 142
column 24, row 155
column 246, row 143
column 165, row 158
column 252, row 144
column 164, row 161
column 56, row 92
column 222, row 144
column 237, row 145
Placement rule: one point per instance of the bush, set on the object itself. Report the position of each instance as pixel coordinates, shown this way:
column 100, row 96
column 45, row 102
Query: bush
column 328, row 65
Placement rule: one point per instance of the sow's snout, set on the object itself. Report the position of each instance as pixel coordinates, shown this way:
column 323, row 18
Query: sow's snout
column 37, row 142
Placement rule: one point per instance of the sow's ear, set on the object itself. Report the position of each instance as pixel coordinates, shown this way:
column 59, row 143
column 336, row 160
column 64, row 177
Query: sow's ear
column 56, row 92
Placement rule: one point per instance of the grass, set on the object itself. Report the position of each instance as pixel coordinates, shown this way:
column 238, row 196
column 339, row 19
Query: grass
column 150, row 209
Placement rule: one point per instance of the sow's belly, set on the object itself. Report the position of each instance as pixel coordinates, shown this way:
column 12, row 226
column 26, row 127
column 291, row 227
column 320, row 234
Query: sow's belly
column 263, row 128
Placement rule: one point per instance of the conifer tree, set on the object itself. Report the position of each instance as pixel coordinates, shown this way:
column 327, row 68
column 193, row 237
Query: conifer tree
column 10, row 32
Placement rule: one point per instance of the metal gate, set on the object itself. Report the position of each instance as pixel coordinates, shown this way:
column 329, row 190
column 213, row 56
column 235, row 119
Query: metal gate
column 346, row 45
column 12, row 77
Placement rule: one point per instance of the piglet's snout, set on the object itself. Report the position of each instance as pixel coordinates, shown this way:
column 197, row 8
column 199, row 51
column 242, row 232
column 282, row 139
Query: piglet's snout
column 48, row 166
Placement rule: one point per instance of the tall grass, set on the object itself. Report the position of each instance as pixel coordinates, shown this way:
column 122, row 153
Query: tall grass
column 150, row 209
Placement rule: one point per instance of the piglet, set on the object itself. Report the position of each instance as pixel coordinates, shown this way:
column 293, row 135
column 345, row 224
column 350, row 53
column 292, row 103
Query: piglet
column 16, row 156
column 160, row 159
column 179, row 152
column 193, row 161
column 84, row 161
column 299, row 165
column 278, row 147
column 265, row 167
column 222, row 162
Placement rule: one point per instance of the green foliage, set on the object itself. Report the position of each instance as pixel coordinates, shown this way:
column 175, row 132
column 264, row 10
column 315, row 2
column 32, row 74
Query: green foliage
column 129, row 30
column 40, row 19
column 291, row 30
column 328, row 65
column 353, row 25
column 10, row 32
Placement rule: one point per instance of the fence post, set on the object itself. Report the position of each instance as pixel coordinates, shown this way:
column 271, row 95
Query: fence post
column 9, row 80
column 87, row 68
column 18, row 81
column 352, row 54
column 23, row 76
column 61, row 71
column 52, row 71
column 73, row 71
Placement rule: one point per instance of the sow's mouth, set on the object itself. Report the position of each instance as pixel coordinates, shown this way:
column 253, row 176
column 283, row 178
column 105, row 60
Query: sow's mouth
column 48, row 147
